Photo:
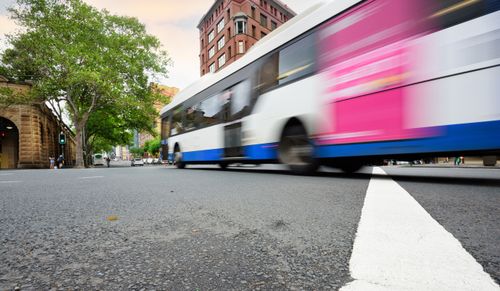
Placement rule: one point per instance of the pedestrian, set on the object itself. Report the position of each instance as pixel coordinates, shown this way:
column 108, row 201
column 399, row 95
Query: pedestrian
column 52, row 162
column 457, row 161
column 108, row 160
column 462, row 160
column 60, row 161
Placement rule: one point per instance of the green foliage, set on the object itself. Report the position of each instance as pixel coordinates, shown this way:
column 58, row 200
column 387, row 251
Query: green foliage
column 137, row 152
column 95, row 64
column 153, row 146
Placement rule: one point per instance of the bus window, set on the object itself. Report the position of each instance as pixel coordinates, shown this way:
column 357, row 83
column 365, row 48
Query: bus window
column 190, row 121
column 447, row 13
column 268, row 73
column 208, row 111
column 297, row 60
column 240, row 99
column 224, row 99
column 176, row 122
column 165, row 127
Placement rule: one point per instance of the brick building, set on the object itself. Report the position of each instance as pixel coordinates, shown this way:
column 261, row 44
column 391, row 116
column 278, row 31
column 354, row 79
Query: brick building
column 29, row 134
column 167, row 91
column 231, row 27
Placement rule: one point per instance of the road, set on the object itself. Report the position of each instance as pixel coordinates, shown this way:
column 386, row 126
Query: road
column 160, row 228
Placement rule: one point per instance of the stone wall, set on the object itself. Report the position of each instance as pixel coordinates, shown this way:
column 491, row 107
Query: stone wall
column 38, row 132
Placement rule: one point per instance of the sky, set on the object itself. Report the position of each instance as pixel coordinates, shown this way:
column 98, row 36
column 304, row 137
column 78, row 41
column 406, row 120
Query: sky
column 172, row 21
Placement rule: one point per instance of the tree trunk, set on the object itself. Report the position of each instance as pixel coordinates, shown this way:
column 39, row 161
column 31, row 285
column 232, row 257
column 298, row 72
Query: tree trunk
column 79, row 146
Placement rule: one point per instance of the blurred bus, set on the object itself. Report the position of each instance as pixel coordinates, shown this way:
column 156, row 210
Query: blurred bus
column 350, row 83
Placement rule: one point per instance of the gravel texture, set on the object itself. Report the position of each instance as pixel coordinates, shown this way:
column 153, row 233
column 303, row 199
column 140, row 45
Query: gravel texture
column 194, row 229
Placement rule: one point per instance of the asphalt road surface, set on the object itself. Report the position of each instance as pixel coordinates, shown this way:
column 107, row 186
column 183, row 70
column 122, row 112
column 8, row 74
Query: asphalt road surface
column 259, row 228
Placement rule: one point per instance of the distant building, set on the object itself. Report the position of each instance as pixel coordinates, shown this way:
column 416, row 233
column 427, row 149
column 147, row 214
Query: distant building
column 29, row 134
column 231, row 27
column 139, row 137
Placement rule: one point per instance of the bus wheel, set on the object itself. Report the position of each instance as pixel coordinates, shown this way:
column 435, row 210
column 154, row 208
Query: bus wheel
column 223, row 165
column 296, row 150
column 178, row 159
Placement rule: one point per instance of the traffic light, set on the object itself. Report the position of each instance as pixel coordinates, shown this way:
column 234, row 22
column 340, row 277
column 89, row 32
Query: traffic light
column 3, row 133
column 62, row 138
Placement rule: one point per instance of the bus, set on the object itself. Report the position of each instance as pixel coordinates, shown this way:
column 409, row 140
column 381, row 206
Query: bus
column 350, row 83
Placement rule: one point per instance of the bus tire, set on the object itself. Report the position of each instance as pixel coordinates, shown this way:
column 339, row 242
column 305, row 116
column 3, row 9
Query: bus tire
column 178, row 158
column 296, row 150
column 223, row 165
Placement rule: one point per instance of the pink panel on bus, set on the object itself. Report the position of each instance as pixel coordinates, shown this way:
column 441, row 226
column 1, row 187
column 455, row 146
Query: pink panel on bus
column 364, row 60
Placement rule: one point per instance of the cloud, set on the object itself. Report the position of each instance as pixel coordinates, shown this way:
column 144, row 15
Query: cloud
column 172, row 21
column 154, row 10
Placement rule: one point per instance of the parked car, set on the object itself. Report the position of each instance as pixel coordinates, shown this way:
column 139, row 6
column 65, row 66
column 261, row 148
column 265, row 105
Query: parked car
column 98, row 159
column 137, row 162
column 149, row 161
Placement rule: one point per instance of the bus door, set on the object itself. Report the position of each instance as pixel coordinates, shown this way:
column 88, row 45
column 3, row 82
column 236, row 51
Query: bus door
column 236, row 104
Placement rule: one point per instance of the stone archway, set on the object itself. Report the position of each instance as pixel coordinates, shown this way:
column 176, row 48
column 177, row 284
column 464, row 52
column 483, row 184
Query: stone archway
column 9, row 144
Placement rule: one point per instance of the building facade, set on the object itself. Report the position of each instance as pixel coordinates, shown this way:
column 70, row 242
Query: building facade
column 140, row 138
column 29, row 134
column 231, row 27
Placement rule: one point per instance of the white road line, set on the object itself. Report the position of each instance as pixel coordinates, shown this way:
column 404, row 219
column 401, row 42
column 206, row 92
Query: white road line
column 5, row 182
column 399, row 246
column 91, row 177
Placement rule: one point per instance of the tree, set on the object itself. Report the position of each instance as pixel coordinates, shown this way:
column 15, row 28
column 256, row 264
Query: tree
column 86, row 62
column 137, row 152
column 152, row 146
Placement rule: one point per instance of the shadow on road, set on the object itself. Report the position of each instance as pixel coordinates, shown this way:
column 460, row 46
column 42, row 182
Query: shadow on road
column 434, row 179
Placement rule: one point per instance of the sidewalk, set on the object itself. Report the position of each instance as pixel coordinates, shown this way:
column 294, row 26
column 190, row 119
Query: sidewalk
column 451, row 165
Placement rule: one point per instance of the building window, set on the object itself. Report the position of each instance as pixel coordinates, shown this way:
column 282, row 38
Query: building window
column 221, row 60
column 253, row 12
column 211, row 68
column 241, row 47
column 273, row 25
column 254, row 31
column 229, row 53
column 202, row 58
column 241, row 26
column 211, row 36
column 229, row 14
column 220, row 25
column 229, row 32
column 221, row 43
column 211, row 52
column 202, row 43
column 262, row 34
column 263, row 20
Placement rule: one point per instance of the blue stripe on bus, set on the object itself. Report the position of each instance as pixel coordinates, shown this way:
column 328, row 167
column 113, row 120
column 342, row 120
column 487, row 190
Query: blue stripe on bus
column 267, row 151
column 460, row 137
column 204, row 155
column 251, row 152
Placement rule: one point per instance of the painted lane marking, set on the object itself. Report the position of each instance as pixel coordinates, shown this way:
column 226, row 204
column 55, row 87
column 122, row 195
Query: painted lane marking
column 399, row 246
column 91, row 177
column 5, row 182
